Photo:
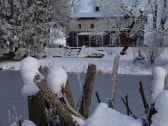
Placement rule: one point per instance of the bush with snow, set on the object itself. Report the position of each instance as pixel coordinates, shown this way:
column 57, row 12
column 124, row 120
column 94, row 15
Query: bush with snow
column 57, row 79
column 29, row 69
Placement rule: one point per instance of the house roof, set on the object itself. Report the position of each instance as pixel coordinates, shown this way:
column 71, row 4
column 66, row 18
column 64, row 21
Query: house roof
column 91, row 33
column 96, row 15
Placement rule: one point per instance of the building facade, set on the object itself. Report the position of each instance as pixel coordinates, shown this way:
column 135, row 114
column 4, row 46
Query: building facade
column 96, row 29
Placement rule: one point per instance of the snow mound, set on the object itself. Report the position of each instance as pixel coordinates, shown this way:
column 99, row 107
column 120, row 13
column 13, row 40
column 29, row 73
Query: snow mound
column 104, row 116
column 158, row 82
column 29, row 89
column 29, row 69
column 57, row 79
column 28, row 123
column 161, row 105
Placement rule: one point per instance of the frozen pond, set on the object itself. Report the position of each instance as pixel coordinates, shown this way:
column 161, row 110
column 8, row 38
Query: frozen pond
column 11, row 83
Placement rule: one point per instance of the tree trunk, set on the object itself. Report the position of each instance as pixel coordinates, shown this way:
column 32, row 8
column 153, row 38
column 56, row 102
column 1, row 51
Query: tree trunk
column 36, row 105
column 87, row 90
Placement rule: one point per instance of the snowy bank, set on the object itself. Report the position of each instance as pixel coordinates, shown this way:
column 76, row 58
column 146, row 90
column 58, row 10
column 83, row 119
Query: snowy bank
column 72, row 60
column 104, row 116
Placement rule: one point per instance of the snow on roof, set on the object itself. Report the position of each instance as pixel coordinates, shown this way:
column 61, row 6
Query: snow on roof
column 98, row 14
column 91, row 33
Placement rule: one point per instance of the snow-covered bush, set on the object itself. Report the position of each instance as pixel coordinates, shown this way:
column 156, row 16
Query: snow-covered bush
column 14, row 118
column 154, row 46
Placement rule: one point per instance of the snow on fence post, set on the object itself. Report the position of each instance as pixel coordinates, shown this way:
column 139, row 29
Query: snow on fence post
column 63, row 110
column 158, row 82
column 158, row 85
column 57, row 80
column 114, row 81
column 36, row 104
column 87, row 90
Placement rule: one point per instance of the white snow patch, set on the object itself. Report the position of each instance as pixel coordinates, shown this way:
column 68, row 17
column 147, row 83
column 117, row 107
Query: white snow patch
column 29, row 89
column 161, row 105
column 104, row 116
column 57, row 79
column 71, row 62
column 78, row 120
column 28, row 123
column 28, row 69
column 158, row 82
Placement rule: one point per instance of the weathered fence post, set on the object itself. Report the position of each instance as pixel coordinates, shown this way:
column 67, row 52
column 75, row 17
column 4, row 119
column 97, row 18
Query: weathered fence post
column 87, row 90
column 65, row 111
column 36, row 106
column 114, row 81
column 68, row 94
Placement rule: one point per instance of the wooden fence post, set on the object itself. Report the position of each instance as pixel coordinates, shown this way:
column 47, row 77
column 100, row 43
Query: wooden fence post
column 114, row 81
column 64, row 111
column 36, row 106
column 87, row 90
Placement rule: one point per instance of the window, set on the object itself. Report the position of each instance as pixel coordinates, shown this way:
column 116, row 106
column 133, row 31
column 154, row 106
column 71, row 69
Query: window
column 79, row 26
column 97, row 8
column 91, row 25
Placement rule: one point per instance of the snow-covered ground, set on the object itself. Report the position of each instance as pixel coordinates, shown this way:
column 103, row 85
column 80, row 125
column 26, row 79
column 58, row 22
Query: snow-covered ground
column 77, row 60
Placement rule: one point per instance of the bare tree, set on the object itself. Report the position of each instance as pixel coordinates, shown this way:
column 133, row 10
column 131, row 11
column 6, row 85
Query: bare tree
column 155, row 46
column 155, row 38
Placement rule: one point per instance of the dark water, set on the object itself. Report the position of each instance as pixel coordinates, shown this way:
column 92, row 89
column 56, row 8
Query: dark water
column 11, row 84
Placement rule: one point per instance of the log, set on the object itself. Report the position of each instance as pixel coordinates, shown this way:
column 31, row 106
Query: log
column 87, row 90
